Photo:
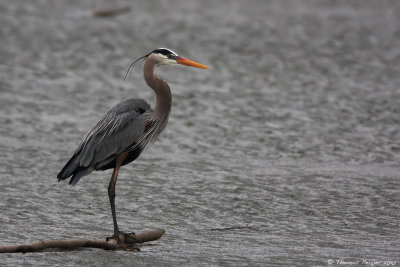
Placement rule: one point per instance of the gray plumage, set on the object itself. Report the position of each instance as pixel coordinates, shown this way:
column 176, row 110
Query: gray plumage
column 119, row 130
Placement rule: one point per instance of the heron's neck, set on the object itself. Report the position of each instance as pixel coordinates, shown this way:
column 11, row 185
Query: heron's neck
column 161, row 89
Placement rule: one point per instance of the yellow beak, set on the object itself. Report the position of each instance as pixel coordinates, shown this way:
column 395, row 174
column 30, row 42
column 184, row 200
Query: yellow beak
column 188, row 62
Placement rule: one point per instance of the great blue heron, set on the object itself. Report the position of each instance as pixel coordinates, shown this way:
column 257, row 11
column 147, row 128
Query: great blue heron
column 122, row 133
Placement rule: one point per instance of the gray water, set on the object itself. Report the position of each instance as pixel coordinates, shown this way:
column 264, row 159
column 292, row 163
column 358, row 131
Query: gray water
column 285, row 152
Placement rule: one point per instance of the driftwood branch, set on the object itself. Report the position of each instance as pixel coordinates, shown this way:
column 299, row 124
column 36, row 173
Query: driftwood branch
column 110, row 244
column 111, row 12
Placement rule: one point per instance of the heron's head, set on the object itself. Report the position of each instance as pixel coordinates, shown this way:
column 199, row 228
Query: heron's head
column 164, row 56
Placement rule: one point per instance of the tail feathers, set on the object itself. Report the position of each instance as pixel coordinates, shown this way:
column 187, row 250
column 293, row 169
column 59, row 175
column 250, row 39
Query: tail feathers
column 79, row 174
column 69, row 168
column 74, row 169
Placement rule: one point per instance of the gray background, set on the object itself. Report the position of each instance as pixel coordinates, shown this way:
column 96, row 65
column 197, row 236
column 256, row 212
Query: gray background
column 285, row 152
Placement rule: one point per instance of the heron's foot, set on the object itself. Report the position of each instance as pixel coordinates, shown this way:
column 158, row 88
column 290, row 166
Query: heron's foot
column 125, row 240
column 126, row 246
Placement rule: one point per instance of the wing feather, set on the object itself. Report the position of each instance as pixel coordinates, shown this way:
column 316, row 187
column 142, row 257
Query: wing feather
column 117, row 131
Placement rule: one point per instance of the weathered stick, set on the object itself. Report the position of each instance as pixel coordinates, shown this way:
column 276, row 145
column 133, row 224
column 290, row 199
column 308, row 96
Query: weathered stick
column 111, row 12
column 71, row 244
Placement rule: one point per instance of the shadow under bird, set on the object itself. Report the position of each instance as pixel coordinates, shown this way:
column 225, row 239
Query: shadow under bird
column 122, row 133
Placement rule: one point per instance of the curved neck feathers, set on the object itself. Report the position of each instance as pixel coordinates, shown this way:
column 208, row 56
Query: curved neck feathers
column 161, row 89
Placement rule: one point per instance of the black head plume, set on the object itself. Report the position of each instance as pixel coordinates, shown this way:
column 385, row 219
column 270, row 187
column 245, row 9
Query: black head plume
column 133, row 64
column 164, row 51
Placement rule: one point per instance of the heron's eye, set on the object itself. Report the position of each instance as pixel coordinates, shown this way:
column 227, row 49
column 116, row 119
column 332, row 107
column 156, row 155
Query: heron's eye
column 169, row 56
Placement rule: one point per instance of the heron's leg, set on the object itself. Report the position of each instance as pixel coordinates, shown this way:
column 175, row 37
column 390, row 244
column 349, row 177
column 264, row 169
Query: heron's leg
column 111, row 189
